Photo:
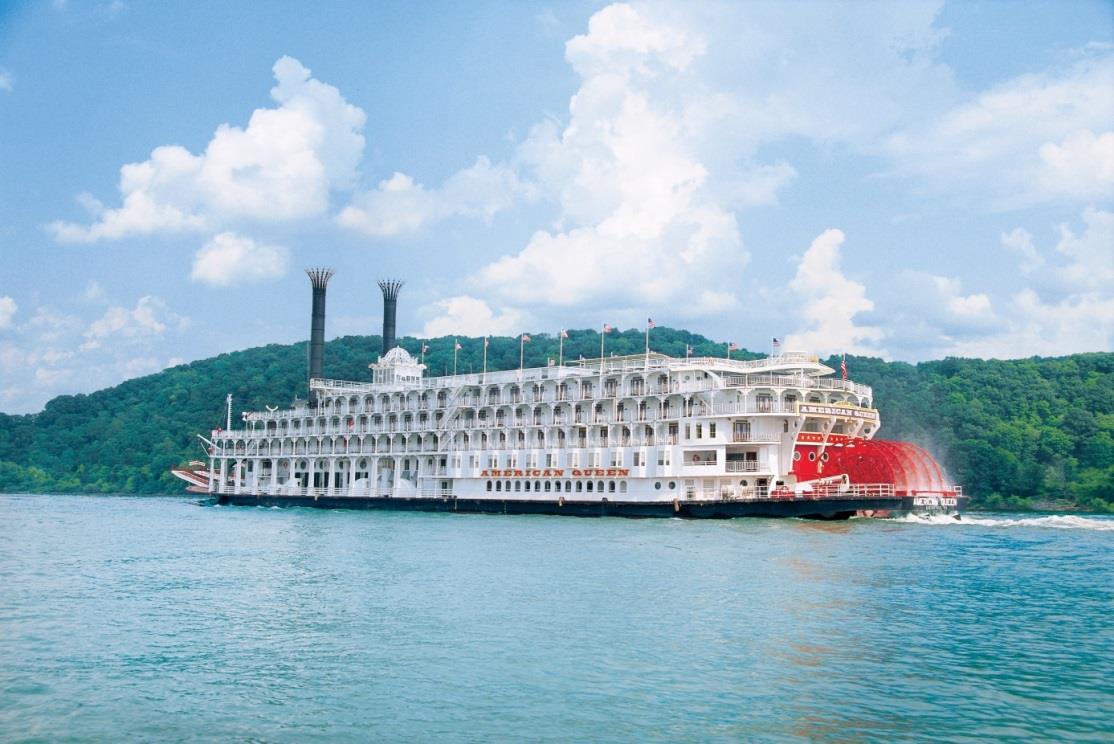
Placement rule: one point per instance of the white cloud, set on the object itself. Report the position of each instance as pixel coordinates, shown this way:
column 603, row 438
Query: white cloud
column 469, row 316
column 1020, row 242
column 1082, row 165
column 93, row 293
column 1069, row 308
column 829, row 302
column 282, row 166
column 1027, row 141
column 7, row 81
column 150, row 317
column 8, row 309
column 399, row 205
column 638, row 227
column 229, row 259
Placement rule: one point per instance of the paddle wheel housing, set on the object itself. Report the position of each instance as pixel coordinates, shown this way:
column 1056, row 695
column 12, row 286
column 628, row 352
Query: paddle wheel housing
column 907, row 466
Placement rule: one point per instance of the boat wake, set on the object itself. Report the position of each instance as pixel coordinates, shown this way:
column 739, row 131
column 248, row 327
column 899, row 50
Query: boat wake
column 1054, row 521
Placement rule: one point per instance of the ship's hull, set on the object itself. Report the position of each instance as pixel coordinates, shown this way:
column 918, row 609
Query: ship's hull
column 685, row 509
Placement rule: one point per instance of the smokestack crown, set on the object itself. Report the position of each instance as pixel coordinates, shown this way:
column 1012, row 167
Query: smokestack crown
column 319, row 277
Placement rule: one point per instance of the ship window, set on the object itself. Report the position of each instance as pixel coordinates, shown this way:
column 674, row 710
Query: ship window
column 796, row 456
column 672, row 485
column 527, row 485
column 590, row 484
column 498, row 486
column 518, row 485
column 657, row 485
column 538, row 485
column 824, row 457
column 699, row 431
column 568, row 486
column 489, row 485
column 712, row 431
column 622, row 486
column 506, row 486
column 580, row 486
column 812, row 457
column 548, row 487
column 743, row 483
column 611, row 486
column 599, row 486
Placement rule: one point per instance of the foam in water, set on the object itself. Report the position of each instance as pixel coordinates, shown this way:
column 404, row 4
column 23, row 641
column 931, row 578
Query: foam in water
column 1057, row 521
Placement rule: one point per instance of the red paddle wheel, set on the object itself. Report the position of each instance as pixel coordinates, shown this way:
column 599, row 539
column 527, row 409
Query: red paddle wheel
column 907, row 466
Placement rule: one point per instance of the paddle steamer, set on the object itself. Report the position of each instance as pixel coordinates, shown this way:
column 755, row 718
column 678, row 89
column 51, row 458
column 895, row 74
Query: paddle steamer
column 643, row 436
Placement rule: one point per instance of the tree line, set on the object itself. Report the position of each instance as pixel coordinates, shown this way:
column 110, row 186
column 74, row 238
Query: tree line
column 1026, row 433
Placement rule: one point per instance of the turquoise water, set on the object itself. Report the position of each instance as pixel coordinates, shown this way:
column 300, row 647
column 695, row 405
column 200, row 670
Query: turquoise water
column 166, row 620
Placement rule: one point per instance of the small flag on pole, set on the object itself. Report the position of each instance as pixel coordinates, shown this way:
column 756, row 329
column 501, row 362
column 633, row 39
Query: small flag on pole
column 485, row 342
column 525, row 338
column 564, row 333
column 425, row 348
column 843, row 366
column 649, row 322
column 777, row 344
column 732, row 346
column 606, row 328
column 552, row 362
column 458, row 346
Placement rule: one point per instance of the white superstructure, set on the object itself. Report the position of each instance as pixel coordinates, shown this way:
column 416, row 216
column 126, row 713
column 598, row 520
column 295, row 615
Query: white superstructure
column 634, row 428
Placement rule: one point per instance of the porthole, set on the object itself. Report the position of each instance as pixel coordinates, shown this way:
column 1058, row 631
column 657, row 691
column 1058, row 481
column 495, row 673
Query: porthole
column 812, row 457
column 796, row 456
column 657, row 485
column 824, row 457
column 672, row 485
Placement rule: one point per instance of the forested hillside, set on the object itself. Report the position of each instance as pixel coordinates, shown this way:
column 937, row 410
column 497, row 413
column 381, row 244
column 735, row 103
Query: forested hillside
column 1030, row 432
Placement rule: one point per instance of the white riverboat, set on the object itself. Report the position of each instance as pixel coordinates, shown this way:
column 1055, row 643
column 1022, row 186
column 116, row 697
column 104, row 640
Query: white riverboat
column 641, row 435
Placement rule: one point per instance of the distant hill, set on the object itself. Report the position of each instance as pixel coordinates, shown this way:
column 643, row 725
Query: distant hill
column 1020, row 433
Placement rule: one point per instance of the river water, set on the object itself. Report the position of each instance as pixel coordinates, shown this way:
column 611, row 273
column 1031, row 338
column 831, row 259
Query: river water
column 168, row 619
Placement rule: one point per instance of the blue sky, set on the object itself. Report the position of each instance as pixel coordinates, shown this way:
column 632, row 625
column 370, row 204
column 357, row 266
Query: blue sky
column 908, row 180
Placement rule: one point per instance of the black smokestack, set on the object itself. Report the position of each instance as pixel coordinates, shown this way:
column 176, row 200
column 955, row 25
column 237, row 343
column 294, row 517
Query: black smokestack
column 390, row 289
column 318, row 278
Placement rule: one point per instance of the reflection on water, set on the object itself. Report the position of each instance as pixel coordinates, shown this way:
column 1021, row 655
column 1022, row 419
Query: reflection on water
column 159, row 619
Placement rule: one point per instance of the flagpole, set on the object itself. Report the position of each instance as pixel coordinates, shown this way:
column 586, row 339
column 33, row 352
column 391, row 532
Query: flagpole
column 561, row 347
column 456, row 349
column 603, row 332
column 728, row 355
column 521, row 351
column 485, row 360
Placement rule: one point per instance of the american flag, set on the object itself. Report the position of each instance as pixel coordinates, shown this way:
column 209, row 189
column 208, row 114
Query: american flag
column 564, row 333
column 649, row 322
column 458, row 346
column 425, row 348
column 606, row 328
column 732, row 346
column 485, row 342
column 525, row 338
column 552, row 363
column 777, row 344
column 843, row 366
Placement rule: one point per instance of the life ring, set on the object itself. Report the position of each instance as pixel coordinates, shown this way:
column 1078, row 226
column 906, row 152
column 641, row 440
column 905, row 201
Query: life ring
column 561, row 501
column 695, row 459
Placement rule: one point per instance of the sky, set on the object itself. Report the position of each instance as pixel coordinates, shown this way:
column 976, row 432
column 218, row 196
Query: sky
column 903, row 180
